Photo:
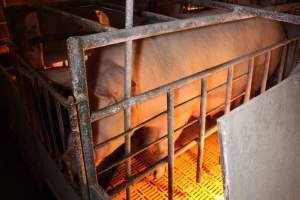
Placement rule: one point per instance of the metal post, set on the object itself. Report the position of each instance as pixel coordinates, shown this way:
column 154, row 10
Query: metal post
column 127, row 89
column 170, row 107
column 282, row 64
column 249, row 80
column 80, row 92
column 266, row 72
column 202, row 128
column 228, row 89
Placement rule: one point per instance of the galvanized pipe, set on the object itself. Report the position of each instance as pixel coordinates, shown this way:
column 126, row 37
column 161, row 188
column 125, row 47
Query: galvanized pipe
column 266, row 72
column 127, row 89
column 201, row 135
column 228, row 89
column 249, row 80
column 170, row 118
column 293, row 19
column 97, row 115
column 80, row 92
column 99, row 145
column 104, row 39
column 282, row 64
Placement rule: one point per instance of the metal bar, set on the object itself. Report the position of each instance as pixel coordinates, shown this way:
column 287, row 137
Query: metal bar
column 296, row 53
column 228, row 89
column 282, row 64
column 80, row 92
column 266, row 72
column 97, row 115
column 290, row 55
column 157, row 17
column 62, row 99
column 293, row 19
column 249, row 80
column 85, row 23
column 97, row 146
column 60, row 124
column 201, row 136
column 74, row 141
column 170, row 107
column 208, row 133
column 51, row 125
column 127, row 89
column 150, row 169
column 104, row 39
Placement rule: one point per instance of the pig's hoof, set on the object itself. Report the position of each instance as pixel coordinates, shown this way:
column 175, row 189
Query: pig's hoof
column 159, row 172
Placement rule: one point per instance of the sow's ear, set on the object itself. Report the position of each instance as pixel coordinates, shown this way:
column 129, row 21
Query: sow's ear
column 111, row 83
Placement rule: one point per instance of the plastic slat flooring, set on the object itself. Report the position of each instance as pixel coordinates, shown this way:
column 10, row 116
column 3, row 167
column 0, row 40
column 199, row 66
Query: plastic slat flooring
column 185, row 186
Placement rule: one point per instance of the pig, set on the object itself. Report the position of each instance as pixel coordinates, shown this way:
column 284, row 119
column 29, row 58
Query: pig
column 163, row 59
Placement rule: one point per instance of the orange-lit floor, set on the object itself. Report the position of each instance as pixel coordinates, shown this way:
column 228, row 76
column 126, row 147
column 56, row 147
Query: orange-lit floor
column 185, row 170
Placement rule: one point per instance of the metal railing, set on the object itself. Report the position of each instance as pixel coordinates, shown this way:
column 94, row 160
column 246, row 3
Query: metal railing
column 78, row 109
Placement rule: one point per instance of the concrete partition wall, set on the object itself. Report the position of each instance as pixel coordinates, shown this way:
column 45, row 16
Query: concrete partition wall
column 260, row 145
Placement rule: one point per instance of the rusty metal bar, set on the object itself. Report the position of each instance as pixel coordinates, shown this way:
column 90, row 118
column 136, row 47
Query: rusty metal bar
column 282, row 64
column 266, row 72
column 228, row 89
column 104, row 39
column 85, row 23
column 202, row 121
column 74, row 142
column 293, row 19
column 80, row 92
column 127, row 89
column 170, row 107
column 249, row 80
column 97, row 115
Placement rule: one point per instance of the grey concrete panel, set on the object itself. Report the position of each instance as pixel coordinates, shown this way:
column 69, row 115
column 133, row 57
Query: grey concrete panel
column 260, row 145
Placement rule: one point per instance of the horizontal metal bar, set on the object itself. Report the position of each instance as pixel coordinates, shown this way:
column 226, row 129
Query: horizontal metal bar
column 139, row 32
column 60, row 98
column 97, row 115
column 293, row 19
column 94, row 26
column 150, row 169
column 157, row 17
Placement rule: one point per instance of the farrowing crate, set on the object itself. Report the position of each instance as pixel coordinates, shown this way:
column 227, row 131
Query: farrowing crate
column 73, row 124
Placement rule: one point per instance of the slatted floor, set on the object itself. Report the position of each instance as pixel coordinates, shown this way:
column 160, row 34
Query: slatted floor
column 185, row 171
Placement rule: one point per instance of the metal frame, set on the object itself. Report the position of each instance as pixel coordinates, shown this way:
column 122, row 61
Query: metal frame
column 108, row 36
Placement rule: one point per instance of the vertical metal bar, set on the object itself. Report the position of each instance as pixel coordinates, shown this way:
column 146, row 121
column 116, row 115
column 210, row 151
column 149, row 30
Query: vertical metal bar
column 266, row 72
column 290, row 55
column 74, row 142
column 60, row 124
column 80, row 91
column 296, row 52
column 228, row 89
column 127, row 89
column 170, row 110
column 50, row 123
column 201, row 136
column 249, row 80
column 282, row 64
